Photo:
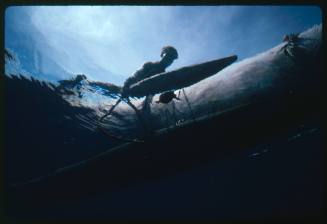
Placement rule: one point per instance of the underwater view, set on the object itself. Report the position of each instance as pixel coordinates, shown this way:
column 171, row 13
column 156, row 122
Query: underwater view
column 163, row 113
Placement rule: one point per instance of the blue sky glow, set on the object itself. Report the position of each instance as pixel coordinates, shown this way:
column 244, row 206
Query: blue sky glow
column 108, row 43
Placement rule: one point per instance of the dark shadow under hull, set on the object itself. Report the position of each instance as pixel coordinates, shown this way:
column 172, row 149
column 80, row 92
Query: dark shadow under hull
column 179, row 149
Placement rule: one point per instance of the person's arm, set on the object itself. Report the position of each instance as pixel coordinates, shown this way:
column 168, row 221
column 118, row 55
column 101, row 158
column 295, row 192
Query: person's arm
column 140, row 74
column 128, row 82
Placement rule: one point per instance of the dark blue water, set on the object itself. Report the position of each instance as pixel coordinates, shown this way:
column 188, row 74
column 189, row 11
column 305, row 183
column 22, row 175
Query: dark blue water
column 280, row 180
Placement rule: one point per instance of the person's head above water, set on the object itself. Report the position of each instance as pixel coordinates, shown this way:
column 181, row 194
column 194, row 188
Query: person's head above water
column 169, row 51
column 168, row 55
